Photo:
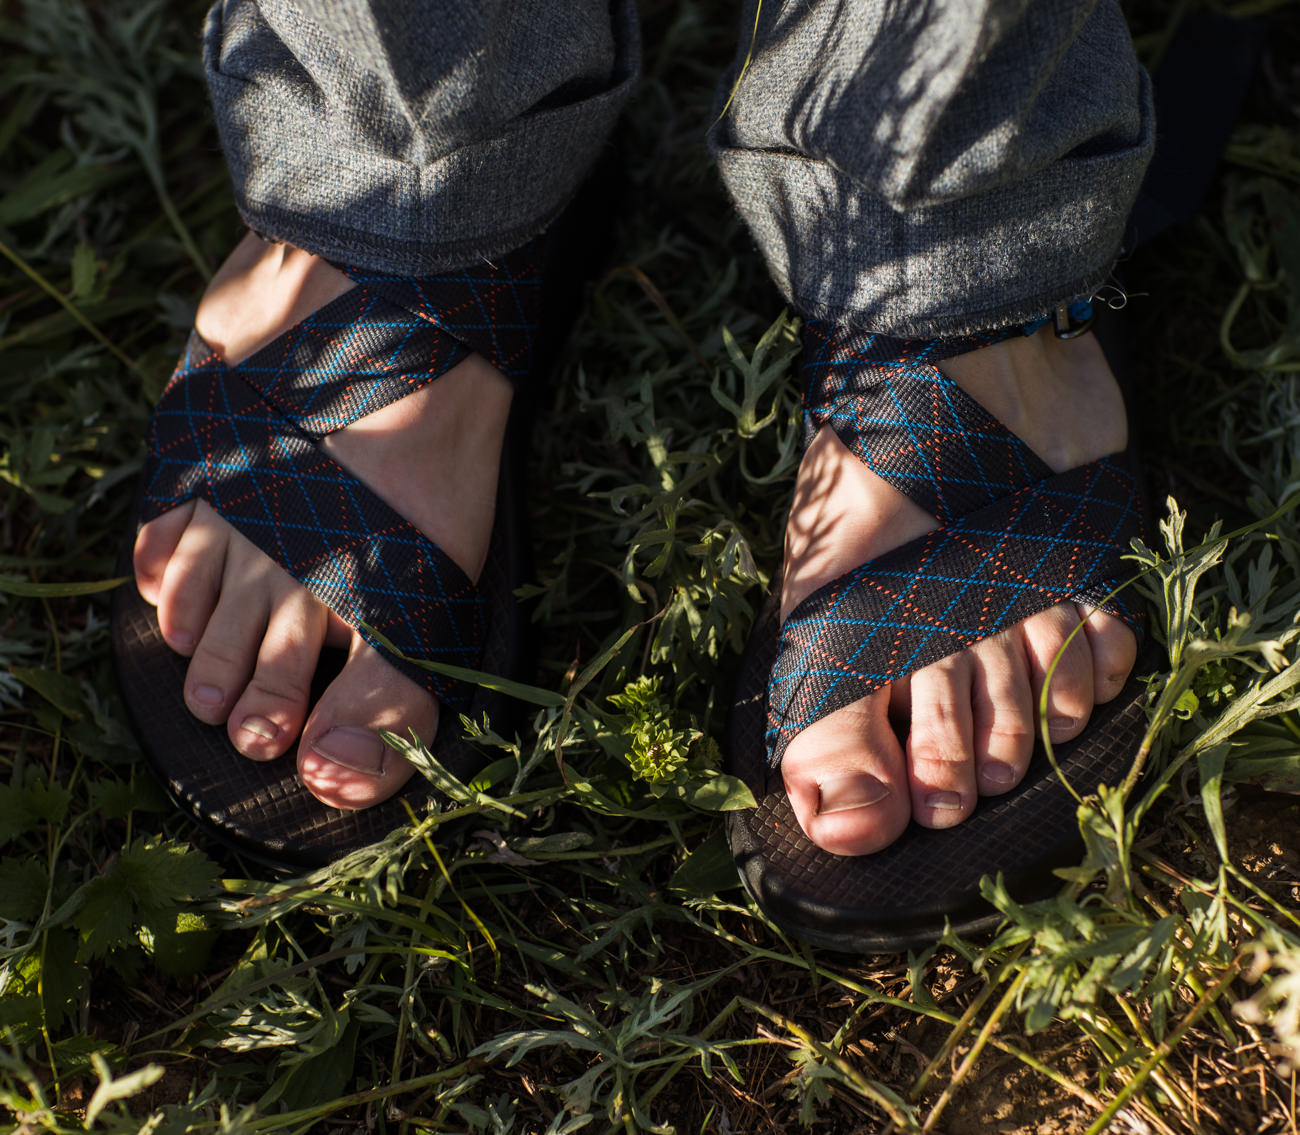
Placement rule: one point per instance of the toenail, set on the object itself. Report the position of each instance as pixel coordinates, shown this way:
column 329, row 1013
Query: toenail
column 357, row 749
column 998, row 774
column 259, row 727
column 943, row 801
column 844, row 793
column 1063, row 724
column 207, row 695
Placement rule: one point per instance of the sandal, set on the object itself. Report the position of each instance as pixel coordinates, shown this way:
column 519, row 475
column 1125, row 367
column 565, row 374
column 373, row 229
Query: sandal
column 1014, row 539
column 244, row 439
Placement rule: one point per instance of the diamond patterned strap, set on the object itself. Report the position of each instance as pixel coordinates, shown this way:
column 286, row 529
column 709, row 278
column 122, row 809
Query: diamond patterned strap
column 1014, row 538
column 353, row 356
column 244, row 439
column 909, row 422
column 493, row 307
column 1045, row 544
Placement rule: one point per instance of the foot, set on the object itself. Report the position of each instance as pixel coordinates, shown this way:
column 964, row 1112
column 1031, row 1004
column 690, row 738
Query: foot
column 972, row 718
column 252, row 634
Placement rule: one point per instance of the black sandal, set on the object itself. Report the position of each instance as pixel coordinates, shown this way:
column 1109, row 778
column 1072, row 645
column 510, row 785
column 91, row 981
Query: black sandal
column 1014, row 539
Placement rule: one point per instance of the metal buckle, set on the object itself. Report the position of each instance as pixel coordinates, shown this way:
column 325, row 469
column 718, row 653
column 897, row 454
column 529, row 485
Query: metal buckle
column 1065, row 326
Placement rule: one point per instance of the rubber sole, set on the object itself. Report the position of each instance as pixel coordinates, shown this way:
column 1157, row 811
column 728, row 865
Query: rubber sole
column 903, row 897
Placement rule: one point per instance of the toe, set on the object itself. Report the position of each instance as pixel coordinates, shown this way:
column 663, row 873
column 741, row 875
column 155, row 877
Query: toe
column 154, row 547
column 940, row 746
column 192, row 579
column 270, row 712
column 342, row 759
column 1002, row 706
column 226, row 655
column 1065, row 670
column 1114, row 652
column 846, row 779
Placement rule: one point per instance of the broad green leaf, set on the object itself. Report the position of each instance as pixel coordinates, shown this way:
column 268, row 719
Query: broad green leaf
column 302, row 1086
column 20, row 1012
column 182, row 941
column 707, row 869
column 116, row 799
column 720, row 793
column 72, row 1054
column 48, row 801
column 61, row 690
column 23, row 808
column 162, row 872
column 106, row 916
column 62, row 977
column 1187, row 704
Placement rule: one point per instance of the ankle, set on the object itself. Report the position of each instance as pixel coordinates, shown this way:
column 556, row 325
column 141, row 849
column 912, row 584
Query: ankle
column 260, row 291
column 1058, row 395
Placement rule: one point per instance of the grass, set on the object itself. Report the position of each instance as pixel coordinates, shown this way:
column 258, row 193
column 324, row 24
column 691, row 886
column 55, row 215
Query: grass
column 564, row 946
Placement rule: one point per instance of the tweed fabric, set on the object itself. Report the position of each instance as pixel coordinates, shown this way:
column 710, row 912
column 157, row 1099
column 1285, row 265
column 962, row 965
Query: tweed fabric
column 244, row 439
column 414, row 137
column 930, row 169
column 916, row 169
column 1014, row 538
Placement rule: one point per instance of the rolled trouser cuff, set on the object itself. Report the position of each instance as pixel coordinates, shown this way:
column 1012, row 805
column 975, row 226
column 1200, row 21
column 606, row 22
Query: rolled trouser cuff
column 934, row 169
column 305, row 172
column 840, row 253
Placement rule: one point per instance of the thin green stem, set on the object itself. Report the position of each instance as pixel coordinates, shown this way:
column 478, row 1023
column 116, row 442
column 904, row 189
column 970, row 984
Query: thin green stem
column 991, row 1025
column 67, row 305
column 1162, row 1052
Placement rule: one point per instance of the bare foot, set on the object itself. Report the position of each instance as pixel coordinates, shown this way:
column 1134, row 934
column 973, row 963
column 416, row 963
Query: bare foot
column 973, row 716
column 252, row 634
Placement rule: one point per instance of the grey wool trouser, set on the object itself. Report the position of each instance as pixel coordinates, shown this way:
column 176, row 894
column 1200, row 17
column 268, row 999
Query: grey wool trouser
column 920, row 168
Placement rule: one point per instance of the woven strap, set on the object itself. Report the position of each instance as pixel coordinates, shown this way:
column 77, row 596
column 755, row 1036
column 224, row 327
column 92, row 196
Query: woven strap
column 244, row 439
column 1014, row 537
column 493, row 307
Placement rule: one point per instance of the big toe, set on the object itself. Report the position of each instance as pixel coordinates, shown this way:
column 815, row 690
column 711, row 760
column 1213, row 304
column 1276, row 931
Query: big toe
column 846, row 779
column 342, row 759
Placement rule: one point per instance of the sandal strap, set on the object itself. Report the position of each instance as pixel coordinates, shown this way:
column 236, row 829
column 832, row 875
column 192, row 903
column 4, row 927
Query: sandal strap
column 908, row 422
column 244, row 439
column 493, row 307
column 355, row 355
column 1057, row 541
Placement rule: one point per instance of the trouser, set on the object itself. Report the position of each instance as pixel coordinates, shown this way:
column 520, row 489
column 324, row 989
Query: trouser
column 918, row 169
